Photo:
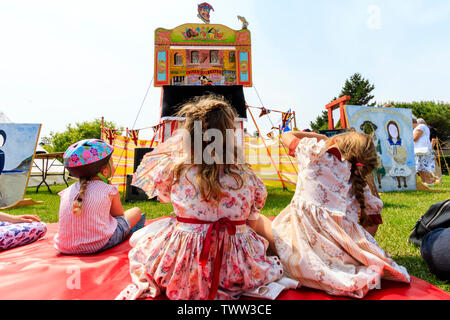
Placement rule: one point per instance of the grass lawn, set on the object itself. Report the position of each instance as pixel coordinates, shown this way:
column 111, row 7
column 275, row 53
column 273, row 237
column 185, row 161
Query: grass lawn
column 400, row 213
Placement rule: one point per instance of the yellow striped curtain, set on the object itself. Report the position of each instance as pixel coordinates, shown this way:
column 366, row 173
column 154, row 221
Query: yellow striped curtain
column 123, row 157
column 255, row 154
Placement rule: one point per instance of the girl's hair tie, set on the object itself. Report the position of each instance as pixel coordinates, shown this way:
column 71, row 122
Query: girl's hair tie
column 359, row 164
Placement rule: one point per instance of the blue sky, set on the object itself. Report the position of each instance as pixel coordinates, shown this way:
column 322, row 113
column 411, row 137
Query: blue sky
column 69, row 61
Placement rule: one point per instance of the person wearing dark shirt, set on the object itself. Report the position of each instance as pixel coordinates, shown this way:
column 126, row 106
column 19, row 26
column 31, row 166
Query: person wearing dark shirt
column 2, row 154
column 433, row 136
column 433, row 139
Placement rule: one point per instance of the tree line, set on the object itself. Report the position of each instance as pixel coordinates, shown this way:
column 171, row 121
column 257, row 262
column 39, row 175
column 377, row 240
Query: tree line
column 435, row 114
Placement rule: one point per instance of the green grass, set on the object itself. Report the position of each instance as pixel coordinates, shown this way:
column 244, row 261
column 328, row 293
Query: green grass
column 400, row 213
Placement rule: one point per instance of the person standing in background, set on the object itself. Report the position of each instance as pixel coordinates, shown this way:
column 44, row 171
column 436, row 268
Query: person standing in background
column 425, row 163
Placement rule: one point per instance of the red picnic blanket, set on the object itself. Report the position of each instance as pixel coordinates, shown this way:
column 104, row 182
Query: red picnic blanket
column 38, row 272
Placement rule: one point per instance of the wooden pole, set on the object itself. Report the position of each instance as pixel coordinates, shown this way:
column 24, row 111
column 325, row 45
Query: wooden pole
column 102, row 129
column 268, row 151
column 154, row 135
column 295, row 120
column 126, row 162
column 441, row 153
column 437, row 151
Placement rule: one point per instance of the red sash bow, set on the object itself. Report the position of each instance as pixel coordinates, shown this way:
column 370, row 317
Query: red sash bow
column 218, row 226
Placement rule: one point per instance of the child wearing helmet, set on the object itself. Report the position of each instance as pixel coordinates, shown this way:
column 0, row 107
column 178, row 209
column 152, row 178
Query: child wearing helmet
column 91, row 216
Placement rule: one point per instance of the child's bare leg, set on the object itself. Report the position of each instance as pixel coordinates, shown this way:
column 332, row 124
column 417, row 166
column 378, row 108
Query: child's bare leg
column 263, row 227
column 133, row 215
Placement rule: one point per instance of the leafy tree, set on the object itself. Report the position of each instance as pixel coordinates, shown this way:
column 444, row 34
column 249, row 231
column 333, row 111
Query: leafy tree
column 60, row 141
column 435, row 114
column 358, row 89
column 321, row 122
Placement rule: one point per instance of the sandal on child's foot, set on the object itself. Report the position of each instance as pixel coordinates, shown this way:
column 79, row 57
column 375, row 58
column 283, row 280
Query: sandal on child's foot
column 139, row 225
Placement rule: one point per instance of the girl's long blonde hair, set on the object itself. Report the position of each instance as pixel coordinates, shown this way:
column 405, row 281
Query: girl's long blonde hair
column 214, row 113
column 357, row 148
column 78, row 201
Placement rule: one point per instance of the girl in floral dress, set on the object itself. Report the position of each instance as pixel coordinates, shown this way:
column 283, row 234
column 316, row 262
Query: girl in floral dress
column 322, row 236
column 208, row 250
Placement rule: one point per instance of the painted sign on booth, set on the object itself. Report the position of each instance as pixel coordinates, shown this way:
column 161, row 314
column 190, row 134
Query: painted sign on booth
column 243, row 67
column 161, row 67
column 202, row 54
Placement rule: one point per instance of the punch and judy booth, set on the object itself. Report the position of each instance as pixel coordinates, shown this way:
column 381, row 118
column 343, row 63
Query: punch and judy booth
column 194, row 59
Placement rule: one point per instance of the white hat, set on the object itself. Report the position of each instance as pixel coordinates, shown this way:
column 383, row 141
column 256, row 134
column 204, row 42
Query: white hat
column 420, row 120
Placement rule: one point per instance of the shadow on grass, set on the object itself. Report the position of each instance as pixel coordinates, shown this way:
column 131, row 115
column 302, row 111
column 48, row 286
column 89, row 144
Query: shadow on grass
column 417, row 267
column 418, row 193
column 394, row 205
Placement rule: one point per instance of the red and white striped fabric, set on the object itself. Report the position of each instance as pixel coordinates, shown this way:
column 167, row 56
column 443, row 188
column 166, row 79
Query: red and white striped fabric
column 123, row 155
column 90, row 231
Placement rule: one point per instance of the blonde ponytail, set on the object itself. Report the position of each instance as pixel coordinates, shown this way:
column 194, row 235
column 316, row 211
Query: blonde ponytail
column 78, row 202
column 359, row 150
column 359, row 182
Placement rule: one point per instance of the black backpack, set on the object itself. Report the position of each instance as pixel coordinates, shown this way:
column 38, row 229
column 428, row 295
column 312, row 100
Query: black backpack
column 437, row 216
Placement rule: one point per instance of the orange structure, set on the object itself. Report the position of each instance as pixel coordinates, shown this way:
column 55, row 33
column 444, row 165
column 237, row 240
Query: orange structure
column 338, row 103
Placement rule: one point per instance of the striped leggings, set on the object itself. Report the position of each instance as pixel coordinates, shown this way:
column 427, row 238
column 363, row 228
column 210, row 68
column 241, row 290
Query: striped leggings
column 18, row 234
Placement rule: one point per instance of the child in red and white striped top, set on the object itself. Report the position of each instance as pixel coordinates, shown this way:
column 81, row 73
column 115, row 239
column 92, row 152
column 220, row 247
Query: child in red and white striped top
column 91, row 215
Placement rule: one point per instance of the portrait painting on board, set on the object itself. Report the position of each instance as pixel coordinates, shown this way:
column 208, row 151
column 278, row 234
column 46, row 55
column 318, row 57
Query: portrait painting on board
column 17, row 147
column 391, row 130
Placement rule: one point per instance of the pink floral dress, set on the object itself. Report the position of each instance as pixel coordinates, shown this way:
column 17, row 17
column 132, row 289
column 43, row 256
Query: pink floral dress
column 318, row 238
column 167, row 254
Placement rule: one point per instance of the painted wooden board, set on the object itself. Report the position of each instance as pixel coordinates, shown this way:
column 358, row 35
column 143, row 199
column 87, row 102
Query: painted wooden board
column 18, row 143
column 393, row 138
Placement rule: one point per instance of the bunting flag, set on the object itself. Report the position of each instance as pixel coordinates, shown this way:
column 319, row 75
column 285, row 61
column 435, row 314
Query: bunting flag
column 155, row 128
column 134, row 134
column 264, row 111
column 286, row 118
column 109, row 135
column 286, row 115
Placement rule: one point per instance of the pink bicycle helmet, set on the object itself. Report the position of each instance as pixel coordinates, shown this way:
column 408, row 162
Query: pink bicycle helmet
column 85, row 158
